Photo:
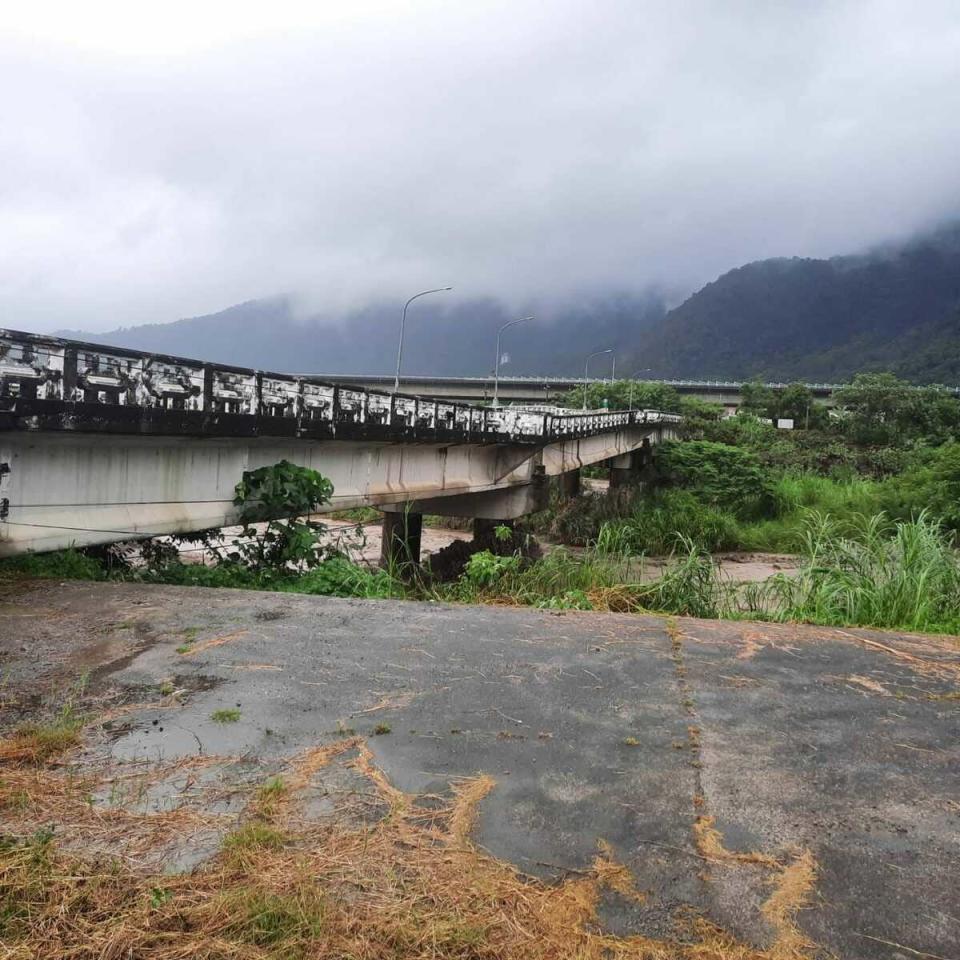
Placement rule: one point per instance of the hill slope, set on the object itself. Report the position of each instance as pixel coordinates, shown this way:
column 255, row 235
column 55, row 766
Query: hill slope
column 897, row 309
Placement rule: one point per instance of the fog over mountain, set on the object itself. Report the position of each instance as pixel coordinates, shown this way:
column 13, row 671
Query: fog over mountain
column 454, row 340
column 163, row 162
column 895, row 308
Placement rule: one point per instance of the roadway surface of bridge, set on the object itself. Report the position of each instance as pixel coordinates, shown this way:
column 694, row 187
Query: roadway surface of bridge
column 100, row 443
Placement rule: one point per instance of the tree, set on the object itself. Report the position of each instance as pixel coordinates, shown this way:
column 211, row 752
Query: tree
column 283, row 495
column 625, row 395
column 878, row 408
column 758, row 399
column 796, row 402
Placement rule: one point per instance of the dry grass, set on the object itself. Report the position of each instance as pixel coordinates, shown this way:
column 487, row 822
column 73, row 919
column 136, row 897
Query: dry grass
column 793, row 883
column 409, row 885
column 791, row 892
column 37, row 743
column 710, row 844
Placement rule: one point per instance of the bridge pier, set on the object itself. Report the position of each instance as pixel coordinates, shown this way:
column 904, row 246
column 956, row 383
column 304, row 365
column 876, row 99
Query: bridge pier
column 400, row 544
column 570, row 484
column 627, row 469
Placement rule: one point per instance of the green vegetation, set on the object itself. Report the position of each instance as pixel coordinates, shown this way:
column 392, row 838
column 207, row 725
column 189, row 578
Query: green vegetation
column 37, row 742
column 59, row 565
column 874, row 573
column 231, row 715
column 286, row 921
column 626, row 394
column 821, row 320
column 255, row 835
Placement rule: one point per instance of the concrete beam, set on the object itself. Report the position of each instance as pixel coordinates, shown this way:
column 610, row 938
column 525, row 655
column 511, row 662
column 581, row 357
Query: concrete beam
column 507, row 504
column 66, row 489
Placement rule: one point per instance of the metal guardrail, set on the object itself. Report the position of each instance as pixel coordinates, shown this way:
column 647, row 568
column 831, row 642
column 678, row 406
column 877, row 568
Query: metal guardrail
column 48, row 383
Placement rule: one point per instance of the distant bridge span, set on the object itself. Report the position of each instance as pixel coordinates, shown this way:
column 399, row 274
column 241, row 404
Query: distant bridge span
column 728, row 393
column 101, row 443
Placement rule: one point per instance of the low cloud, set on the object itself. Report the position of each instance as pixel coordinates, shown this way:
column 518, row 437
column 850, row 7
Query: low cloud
column 525, row 151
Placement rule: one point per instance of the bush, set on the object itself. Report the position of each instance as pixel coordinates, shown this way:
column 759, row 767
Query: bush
column 484, row 569
column 933, row 483
column 720, row 475
column 658, row 523
column 282, row 494
column 60, row 565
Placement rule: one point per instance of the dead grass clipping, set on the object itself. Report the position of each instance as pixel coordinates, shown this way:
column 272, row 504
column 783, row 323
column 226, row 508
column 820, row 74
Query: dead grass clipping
column 408, row 883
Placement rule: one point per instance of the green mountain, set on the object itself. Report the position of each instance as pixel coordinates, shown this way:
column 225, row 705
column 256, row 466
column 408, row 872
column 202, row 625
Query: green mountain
column 897, row 308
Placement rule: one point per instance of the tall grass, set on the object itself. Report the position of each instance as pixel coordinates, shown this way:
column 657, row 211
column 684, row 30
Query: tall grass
column 657, row 523
column 870, row 571
column 864, row 570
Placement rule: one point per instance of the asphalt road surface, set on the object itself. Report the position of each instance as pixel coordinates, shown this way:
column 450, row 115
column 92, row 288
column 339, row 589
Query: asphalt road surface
column 786, row 741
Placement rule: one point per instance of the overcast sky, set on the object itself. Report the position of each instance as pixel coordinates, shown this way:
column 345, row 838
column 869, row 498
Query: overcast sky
column 168, row 160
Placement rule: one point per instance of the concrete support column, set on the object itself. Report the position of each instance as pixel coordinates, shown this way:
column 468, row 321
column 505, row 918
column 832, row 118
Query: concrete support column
column 623, row 471
column 401, row 539
column 570, row 483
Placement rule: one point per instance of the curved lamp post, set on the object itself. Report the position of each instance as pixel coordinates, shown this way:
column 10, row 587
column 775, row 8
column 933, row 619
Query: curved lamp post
column 632, row 381
column 586, row 364
column 403, row 324
column 496, row 369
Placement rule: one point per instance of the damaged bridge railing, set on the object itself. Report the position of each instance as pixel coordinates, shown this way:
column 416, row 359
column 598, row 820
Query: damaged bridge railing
column 49, row 383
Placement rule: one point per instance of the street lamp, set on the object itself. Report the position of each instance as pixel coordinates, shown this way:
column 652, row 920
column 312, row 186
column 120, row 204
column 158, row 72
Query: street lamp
column 403, row 323
column 586, row 364
column 496, row 369
column 632, row 379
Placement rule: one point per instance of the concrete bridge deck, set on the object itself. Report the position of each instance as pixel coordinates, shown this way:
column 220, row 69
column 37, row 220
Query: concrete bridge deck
column 100, row 443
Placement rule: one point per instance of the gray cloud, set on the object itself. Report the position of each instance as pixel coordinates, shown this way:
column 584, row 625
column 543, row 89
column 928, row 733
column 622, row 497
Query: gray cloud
column 525, row 150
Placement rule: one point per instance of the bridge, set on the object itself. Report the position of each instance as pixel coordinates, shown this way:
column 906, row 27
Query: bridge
column 99, row 444
column 727, row 393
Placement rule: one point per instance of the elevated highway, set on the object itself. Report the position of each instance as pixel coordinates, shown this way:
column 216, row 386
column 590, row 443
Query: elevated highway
column 728, row 393
column 100, row 443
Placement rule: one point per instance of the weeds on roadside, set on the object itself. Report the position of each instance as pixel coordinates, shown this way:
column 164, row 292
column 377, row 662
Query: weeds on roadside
column 36, row 743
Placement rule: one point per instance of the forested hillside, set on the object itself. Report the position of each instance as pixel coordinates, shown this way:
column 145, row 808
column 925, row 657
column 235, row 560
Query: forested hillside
column 897, row 309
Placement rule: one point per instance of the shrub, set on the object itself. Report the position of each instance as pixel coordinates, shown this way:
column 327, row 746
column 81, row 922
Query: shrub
column 282, row 494
column 658, row 523
column 484, row 569
column 68, row 564
column 719, row 474
column 934, row 484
